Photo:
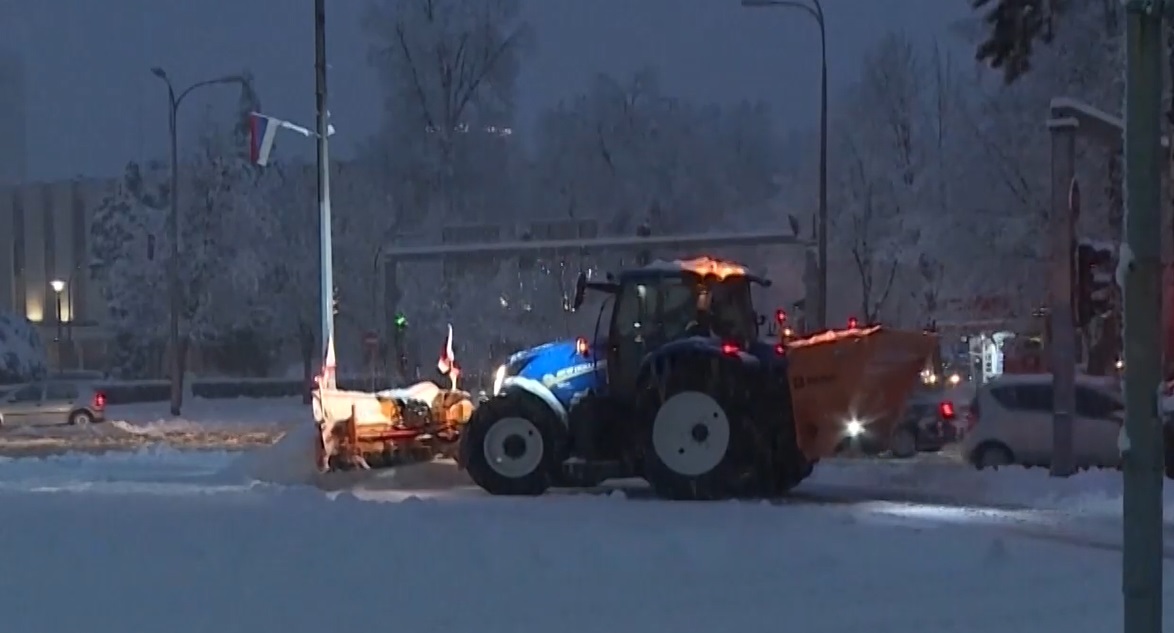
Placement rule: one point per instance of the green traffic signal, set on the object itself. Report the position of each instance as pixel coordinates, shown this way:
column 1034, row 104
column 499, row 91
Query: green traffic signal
column 400, row 321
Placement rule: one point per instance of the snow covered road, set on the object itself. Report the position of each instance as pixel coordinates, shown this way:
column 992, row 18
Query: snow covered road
column 178, row 541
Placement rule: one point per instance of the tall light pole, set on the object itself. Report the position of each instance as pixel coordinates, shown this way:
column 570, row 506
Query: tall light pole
column 1141, row 267
column 175, row 98
column 326, row 252
column 815, row 10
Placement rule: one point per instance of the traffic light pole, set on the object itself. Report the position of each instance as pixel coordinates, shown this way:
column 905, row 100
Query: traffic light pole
column 1139, row 272
column 1063, row 342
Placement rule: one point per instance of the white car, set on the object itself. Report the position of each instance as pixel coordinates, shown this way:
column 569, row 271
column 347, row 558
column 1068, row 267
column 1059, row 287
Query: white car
column 1010, row 422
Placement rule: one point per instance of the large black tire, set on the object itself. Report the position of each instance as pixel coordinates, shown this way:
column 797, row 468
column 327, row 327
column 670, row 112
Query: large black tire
column 780, row 465
column 698, row 435
column 514, row 444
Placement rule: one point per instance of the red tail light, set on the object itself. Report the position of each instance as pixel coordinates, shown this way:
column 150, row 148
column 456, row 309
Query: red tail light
column 729, row 348
column 99, row 400
column 780, row 349
column 946, row 409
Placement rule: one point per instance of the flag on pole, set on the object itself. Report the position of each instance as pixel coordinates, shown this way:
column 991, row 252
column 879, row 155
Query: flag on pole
column 329, row 366
column 448, row 361
column 263, row 132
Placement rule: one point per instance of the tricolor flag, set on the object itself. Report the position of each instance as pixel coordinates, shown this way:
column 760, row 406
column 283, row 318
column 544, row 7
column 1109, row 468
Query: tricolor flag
column 263, row 132
column 448, row 361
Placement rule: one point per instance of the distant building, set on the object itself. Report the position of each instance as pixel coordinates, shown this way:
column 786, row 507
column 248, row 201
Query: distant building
column 44, row 237
column 13, row 119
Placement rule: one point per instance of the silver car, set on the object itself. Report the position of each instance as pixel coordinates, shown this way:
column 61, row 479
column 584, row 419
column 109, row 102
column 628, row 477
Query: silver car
column 53, row 402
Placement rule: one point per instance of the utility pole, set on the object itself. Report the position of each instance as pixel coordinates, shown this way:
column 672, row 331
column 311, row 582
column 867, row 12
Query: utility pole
column 1062, row 345
column 1140, row 265
column 326, row 251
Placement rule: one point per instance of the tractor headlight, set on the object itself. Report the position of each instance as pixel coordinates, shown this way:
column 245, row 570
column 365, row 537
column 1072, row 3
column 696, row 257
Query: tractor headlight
column 498, row 379
column 854, row 428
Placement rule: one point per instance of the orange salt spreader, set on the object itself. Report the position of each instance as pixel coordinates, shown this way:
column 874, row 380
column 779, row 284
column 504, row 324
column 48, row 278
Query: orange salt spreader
column 852, row 383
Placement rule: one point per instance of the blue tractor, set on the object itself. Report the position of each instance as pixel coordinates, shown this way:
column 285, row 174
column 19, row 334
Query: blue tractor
column 679, row 391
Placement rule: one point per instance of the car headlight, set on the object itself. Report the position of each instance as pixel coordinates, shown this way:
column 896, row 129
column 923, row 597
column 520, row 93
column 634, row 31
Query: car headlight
column 955, row 379
column 498, row 379
column 854, row 428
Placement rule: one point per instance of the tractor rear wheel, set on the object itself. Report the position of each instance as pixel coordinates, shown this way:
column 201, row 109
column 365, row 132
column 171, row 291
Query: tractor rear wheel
column 698, row 440
column 513, row 445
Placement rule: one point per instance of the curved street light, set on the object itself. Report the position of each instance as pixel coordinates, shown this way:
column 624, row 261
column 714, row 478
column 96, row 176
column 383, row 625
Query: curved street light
column 175, row 99
column 815, row 10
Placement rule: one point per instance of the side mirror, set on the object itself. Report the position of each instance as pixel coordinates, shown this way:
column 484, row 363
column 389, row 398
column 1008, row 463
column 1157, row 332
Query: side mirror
column 580, row 291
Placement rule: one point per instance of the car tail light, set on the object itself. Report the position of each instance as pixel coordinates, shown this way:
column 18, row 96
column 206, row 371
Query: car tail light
column 730, row 348
column 781, row 349
column 99, row 400
column 946, row 409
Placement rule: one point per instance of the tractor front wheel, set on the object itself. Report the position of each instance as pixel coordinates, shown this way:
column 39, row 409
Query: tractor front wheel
column 513, row 445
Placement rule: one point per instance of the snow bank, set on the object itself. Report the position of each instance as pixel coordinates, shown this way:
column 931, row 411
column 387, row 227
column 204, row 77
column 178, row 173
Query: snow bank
column 299, row 562
column 1094, row 492
column 291, row 461
column 202, row 414
column 22, row 353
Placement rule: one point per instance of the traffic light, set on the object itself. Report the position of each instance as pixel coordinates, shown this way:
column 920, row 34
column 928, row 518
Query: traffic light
column 1093, row 281
column 400, row 322
column 334, row 300
column 853, row 323
column 780, row 316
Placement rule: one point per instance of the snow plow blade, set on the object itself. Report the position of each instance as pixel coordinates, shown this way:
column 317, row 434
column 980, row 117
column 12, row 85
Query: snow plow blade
column 860, row 375
column 366, row 430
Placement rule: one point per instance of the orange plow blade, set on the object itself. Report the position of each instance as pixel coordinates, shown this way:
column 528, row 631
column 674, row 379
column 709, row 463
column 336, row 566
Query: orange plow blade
column 861, row 376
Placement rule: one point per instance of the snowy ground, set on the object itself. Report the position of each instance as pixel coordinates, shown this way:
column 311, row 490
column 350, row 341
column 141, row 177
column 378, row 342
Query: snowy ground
column 224, row 540
column 183, row 542
column 230, row 424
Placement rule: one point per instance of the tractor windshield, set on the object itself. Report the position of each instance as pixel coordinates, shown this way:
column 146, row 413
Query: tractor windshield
column 732, row 310
column 666, row 309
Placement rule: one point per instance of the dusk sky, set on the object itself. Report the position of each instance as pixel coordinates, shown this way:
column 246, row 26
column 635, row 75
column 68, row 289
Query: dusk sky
column 93, row 104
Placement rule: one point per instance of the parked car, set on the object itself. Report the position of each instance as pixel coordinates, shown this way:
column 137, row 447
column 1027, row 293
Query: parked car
column 930, row 424
column 53, row 402
column 1009, row 421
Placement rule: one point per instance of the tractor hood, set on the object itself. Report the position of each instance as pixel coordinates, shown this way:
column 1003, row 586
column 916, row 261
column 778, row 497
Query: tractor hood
column 558, row 366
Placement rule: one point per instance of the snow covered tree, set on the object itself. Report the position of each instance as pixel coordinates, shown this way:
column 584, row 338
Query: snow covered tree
column 22, row 353
column 623, row 149
column 127, row 236
column 449, row 69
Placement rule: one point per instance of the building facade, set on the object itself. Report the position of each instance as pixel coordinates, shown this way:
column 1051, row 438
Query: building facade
column 44, row 238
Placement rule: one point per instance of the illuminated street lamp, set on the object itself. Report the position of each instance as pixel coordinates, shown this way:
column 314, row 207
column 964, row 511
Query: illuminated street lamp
column 58, row 287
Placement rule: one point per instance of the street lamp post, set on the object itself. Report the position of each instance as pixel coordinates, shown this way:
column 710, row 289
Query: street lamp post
column 58, row 287
column 815, row 10
column 175, row 98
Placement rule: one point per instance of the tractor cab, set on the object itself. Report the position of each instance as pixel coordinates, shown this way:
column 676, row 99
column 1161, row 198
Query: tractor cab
column 668, row 301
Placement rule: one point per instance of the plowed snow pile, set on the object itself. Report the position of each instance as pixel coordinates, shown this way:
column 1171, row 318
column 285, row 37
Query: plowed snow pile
column 291, row 462
column 236, row 424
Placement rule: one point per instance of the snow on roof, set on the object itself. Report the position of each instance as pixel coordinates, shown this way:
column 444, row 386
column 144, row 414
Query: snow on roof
column 834, row 335
column 699, row 265
column 1101, row 382
column 1082, row 109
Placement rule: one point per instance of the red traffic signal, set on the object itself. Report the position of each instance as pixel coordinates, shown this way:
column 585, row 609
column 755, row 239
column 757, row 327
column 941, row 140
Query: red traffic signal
column 780, row 316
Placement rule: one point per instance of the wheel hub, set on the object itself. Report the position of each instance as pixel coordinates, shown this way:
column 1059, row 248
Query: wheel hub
column 700, row 432
column 514, row 446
